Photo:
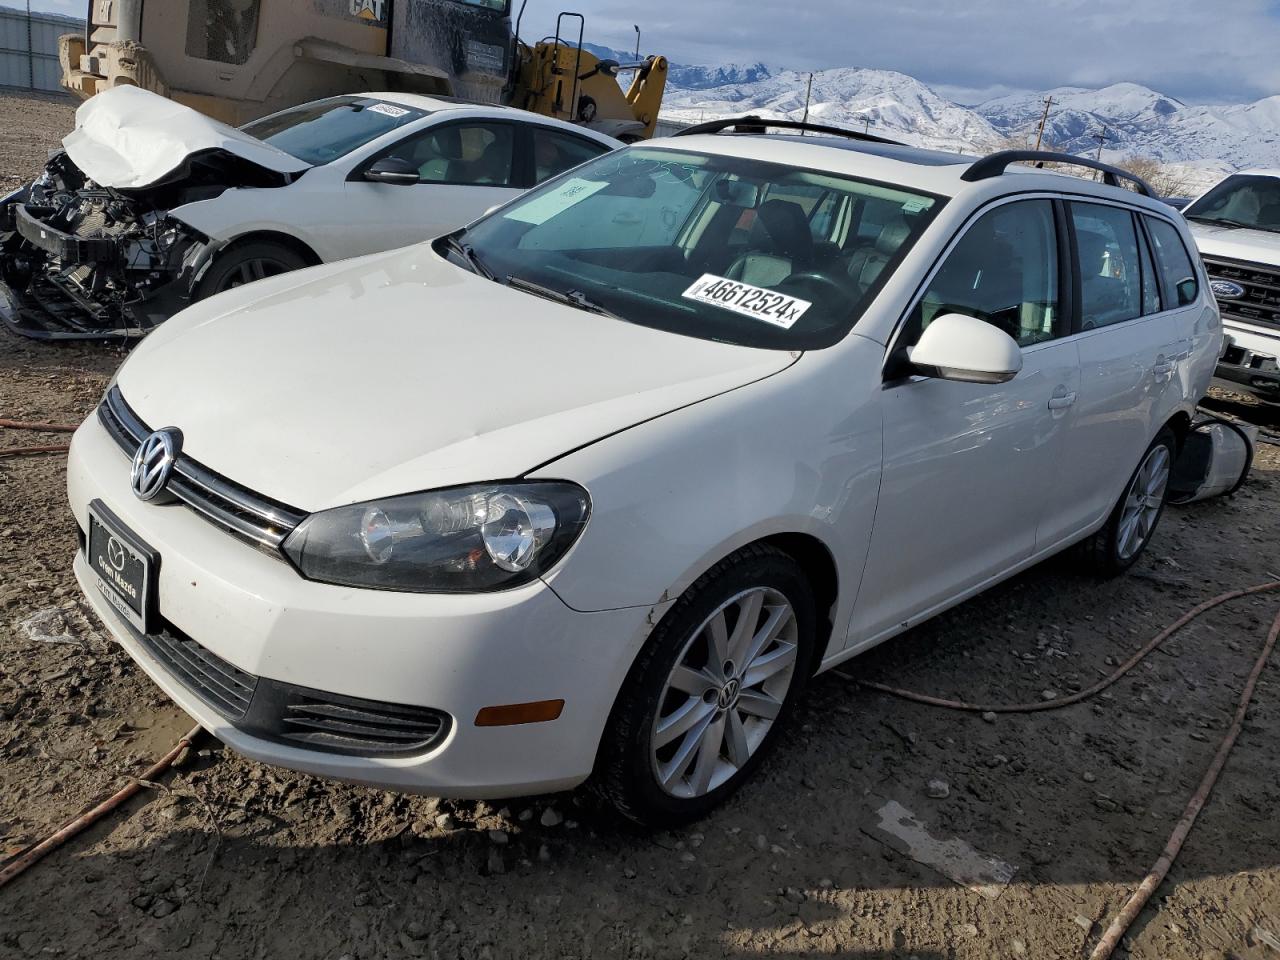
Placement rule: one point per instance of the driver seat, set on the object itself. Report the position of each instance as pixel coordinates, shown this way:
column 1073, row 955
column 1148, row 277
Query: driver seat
column 782, row 245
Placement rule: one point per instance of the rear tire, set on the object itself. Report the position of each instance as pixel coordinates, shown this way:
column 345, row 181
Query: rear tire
column 246, row 263
column 1133, row 521
column 704, row 702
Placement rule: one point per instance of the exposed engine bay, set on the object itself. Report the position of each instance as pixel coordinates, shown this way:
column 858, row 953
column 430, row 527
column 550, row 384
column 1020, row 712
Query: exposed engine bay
column 79, row 260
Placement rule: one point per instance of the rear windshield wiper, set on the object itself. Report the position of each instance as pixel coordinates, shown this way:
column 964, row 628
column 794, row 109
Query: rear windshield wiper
column 572, row 298
column 469, row 256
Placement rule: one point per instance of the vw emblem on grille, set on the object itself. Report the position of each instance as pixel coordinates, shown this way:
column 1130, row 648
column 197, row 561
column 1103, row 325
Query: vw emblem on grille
column 1226, row 290
column 153, row 463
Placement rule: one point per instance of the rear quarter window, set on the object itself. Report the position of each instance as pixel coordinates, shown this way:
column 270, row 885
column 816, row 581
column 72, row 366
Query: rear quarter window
column 1179, row 280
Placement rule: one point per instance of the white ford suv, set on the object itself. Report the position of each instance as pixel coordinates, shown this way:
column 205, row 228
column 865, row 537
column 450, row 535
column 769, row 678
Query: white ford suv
column 1237, row 227
column 591, row 488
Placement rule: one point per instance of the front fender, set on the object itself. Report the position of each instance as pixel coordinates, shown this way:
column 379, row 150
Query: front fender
column 798, row 452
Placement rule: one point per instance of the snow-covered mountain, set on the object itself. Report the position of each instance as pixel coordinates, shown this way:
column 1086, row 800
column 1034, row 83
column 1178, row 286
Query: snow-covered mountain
column 1138, row 120
column 1205, row 141
column 891, row 104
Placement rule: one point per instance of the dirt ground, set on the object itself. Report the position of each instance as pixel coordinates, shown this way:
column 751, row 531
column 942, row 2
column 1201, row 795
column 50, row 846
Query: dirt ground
column 230, row 859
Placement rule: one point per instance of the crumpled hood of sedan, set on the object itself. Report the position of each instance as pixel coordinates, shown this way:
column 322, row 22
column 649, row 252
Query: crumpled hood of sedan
column 401, row 372
column 128, row 138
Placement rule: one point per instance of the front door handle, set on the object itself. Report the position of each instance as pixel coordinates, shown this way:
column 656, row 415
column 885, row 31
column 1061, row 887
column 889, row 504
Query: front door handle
column 1163, row 370
column 1061, row 401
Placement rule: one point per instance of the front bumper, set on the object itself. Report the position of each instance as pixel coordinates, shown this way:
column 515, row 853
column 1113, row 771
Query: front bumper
column 1250, row 363
column 50, row 298
column 450, row 653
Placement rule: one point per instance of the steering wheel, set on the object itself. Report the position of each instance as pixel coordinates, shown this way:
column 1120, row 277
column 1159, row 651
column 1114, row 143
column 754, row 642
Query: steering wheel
column 823, row 280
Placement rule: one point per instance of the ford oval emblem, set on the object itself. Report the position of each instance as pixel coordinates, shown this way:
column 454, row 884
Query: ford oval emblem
column 1226, row 290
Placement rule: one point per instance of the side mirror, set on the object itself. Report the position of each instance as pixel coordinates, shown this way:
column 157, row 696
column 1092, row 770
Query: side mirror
column 956, row 347
column 393, row 170
column 1188, row 290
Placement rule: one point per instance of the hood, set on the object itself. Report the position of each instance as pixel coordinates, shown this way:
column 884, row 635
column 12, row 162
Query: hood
column 401, row 372
column 127, row 138
column 1237, row 243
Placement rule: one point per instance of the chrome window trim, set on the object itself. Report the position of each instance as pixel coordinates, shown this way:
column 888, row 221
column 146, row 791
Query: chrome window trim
column 259, row 520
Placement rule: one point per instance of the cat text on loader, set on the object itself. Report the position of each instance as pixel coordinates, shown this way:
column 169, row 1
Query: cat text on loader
column 237, row 60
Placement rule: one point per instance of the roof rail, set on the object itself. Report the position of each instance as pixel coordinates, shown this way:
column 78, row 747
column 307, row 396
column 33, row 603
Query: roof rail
column 995, row 165
column 755, row 124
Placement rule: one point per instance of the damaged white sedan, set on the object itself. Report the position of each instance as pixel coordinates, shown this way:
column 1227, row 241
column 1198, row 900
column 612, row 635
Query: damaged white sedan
column 151, row 206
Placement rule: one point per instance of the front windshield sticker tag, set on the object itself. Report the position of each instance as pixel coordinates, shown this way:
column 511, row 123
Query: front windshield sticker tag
column 776, row 308
column 547, row 205
column 389, row 110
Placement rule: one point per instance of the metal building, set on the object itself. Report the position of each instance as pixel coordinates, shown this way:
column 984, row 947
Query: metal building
column 29, row 48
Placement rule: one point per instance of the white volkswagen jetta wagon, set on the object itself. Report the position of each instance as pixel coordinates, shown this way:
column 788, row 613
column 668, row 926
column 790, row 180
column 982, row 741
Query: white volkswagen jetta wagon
column 592, row 488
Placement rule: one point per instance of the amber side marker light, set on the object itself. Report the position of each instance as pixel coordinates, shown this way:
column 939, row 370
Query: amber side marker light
column 510, row 714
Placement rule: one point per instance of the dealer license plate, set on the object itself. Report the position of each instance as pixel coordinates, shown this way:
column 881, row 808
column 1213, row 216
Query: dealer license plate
column 123, row 567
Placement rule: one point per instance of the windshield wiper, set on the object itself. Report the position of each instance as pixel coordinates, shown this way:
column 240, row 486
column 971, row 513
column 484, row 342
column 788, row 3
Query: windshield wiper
column 1226, row 222
column 469, row 256
column 572, row 298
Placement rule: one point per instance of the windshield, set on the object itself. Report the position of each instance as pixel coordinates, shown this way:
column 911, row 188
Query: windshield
column 323, row 131
column 500, row 5
column 720, row 248
column 1241, row 201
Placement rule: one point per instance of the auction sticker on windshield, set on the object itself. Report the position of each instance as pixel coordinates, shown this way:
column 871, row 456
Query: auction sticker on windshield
column 389, row 110
column 547, row 205
column 776, row 308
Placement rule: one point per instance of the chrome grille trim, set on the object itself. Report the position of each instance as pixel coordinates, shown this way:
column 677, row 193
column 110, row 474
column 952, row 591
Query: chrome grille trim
column 1260, row 304
column 257, row 519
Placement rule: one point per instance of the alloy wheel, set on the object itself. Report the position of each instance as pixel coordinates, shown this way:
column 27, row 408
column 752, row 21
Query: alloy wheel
column 255, row 268
column 1143, row 502
column 724, row 693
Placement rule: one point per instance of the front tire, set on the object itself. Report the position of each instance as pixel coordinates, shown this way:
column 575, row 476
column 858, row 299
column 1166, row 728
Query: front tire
column 246, row 263
column 711, row 691
column 1128, row 531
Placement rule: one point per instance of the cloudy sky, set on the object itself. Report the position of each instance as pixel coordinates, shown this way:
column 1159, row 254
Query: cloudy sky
column 1196, row 50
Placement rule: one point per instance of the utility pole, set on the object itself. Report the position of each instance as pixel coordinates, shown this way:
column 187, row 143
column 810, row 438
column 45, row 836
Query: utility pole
column 1043, row 120
column 1102, row 138
column 866, row 123
column 808, row 94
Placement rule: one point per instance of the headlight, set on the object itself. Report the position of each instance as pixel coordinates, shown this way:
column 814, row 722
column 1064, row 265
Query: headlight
column 466, row 539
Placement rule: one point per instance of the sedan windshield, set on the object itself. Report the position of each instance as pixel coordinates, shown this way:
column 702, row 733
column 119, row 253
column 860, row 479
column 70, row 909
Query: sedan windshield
column 1241, row 201
column 323, row 131
column 715, row 247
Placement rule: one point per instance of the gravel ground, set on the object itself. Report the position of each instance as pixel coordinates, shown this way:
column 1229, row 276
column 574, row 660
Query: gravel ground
column 232, row 859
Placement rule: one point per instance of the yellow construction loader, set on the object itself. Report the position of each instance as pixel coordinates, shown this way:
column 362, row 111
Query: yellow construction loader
column 237, row 60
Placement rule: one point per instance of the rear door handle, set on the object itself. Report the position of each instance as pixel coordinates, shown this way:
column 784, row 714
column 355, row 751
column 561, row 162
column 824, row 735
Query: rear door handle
column 1163, row 370
column 1061, row 401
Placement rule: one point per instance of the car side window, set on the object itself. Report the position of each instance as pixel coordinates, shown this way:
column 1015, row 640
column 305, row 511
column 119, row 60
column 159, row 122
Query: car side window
column 1110, row 264
column 467, row 154
column 1151, row 302
column 1003, row 270
column 555, row 152
column 1179, row 281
